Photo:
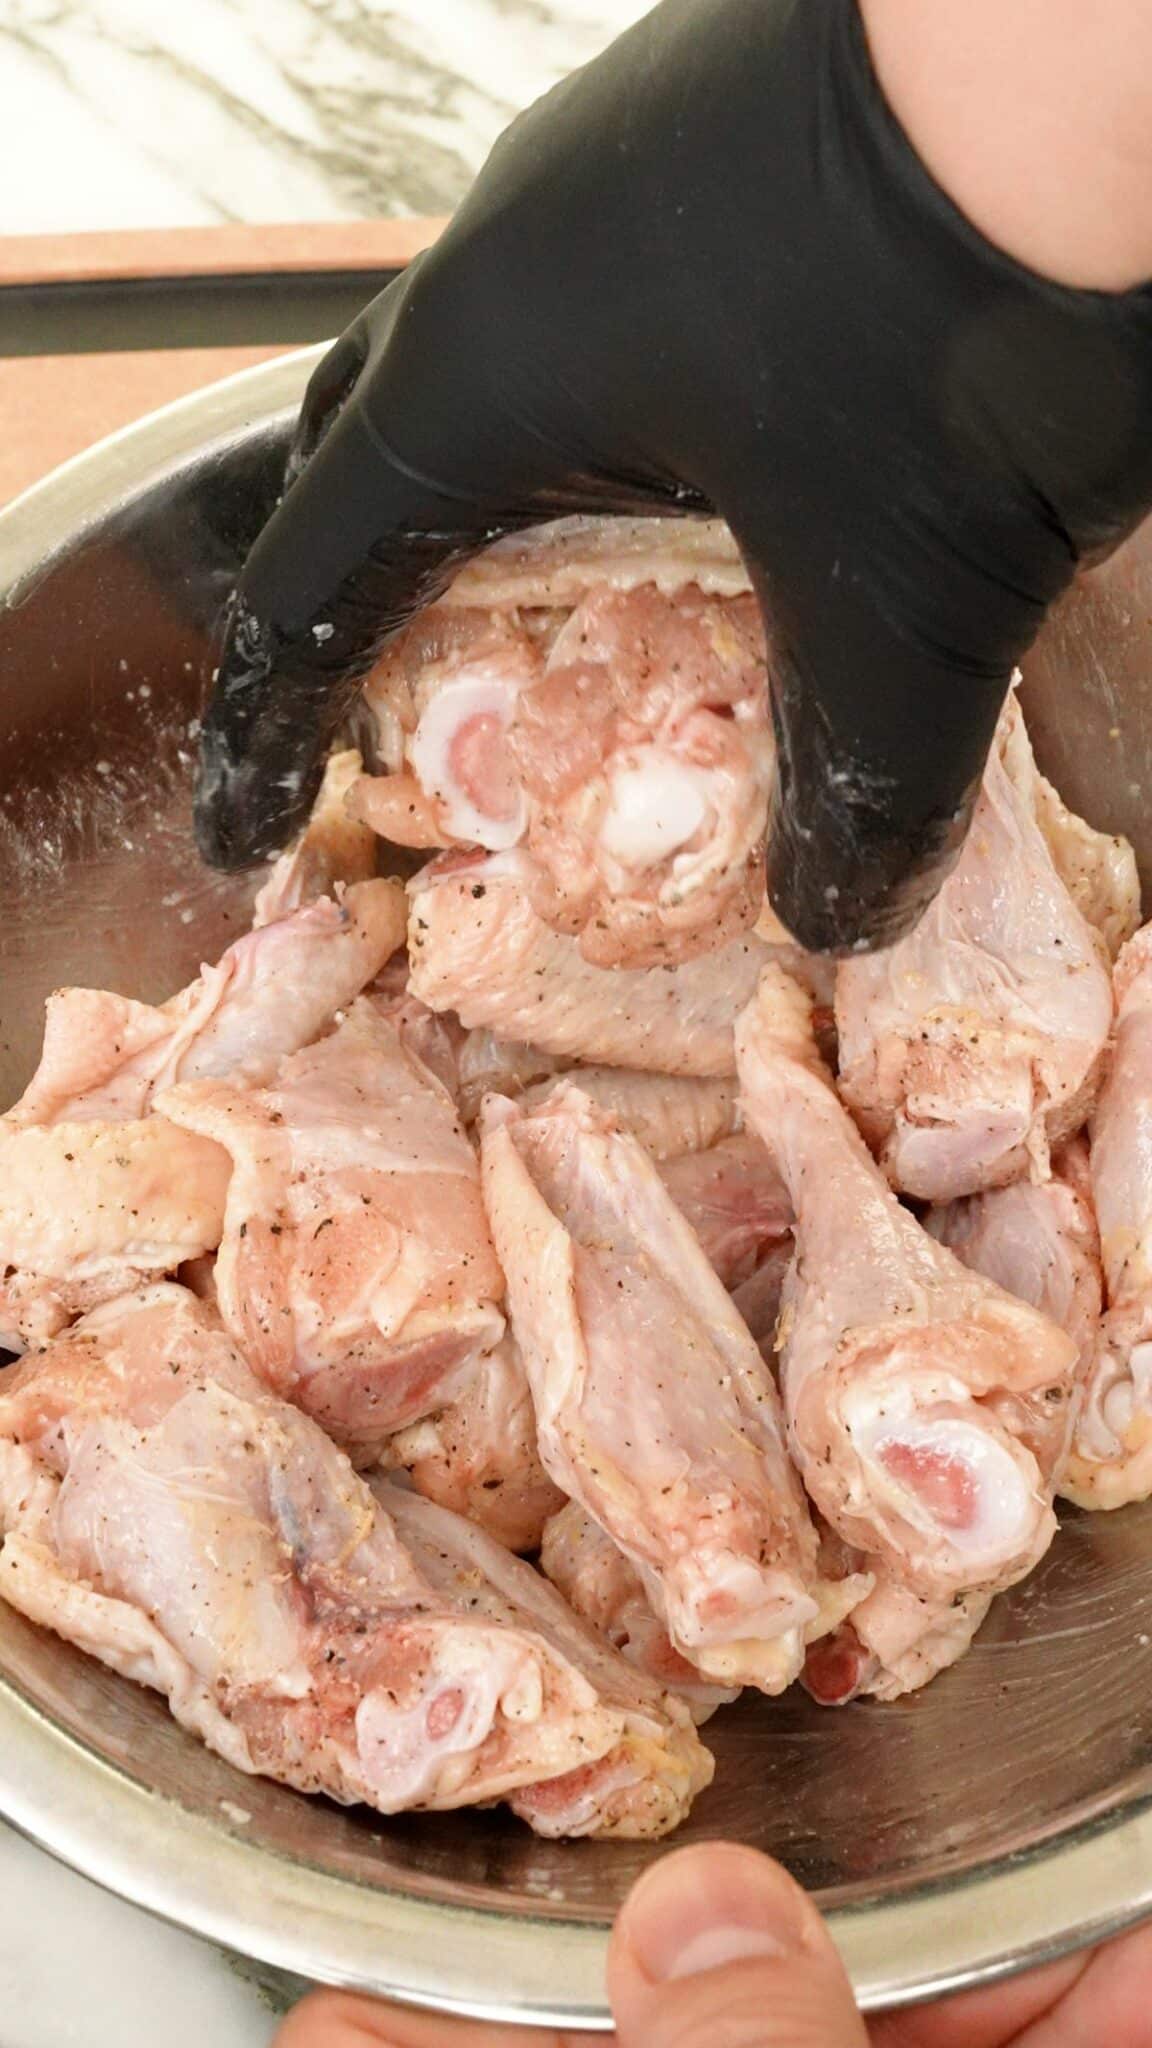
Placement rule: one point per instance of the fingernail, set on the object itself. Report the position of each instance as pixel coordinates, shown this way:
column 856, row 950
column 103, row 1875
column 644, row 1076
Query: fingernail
column 701, row 1908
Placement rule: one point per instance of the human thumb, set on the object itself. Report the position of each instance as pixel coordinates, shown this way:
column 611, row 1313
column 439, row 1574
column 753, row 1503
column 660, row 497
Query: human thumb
column 717, row 1948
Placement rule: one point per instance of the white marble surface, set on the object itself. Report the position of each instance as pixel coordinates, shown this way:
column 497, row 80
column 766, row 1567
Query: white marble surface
column 154, row 113
column 80, row 1970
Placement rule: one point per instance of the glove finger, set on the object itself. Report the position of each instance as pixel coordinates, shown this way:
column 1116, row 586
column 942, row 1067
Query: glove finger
column 881, row 745
column 354, row 548
column 338, row 373
column 329, row 388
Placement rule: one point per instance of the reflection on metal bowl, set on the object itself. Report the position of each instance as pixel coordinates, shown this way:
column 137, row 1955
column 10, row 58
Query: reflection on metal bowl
column 995, row 1818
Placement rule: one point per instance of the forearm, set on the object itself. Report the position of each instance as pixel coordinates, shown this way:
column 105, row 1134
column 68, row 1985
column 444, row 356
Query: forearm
column 1036, row 118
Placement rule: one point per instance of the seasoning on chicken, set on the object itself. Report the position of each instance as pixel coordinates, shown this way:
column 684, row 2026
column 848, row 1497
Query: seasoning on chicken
column 479, row 1455
column 736, row 1202
column 1041, row 1244
column 602, row 707
column 435, row 1041
column 722, row 1180
column 356, row 1272
column 923, row 1403
column 814, row 971
column 477, row 947
column 654, row 1408
column 759, row 1298
column 490, row 1065
column 670, row 1114
column 600, row 1584
column 92, row 1210
column 556, row 564
column 1111, row 1462
column 640, row 1788
column 645, row 757
column 895, row 1642
column 471, row 1064
column 272, row 992
column 1098, row 869
column 166, row 1513
column 333, row 847
column 975, row 1045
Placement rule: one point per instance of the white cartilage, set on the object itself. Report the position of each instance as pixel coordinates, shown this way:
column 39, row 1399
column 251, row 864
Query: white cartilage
column 459, row 752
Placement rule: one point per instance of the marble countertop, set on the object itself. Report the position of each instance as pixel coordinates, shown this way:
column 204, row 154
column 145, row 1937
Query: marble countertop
column 79, row 1969
column 145, row 113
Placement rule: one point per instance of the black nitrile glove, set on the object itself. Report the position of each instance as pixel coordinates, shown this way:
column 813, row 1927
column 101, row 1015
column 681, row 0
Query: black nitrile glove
column 709, row 269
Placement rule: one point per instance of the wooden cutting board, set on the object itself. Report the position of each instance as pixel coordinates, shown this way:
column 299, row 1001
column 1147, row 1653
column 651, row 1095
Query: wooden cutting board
column 52, row 407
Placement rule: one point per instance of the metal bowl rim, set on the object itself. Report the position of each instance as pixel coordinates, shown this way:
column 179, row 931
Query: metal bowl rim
column 1073, row 1888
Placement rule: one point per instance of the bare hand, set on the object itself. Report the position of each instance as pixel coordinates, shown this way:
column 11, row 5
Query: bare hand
column 718, row 1948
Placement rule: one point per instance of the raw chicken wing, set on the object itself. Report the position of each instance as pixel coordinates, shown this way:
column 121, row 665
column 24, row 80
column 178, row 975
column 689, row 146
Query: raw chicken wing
column 334, row 847
column 91, row 1210
column 471, row 1064
column 272, row 992
column 974, row 1045
column 445, row 696
column 611, row 723
column 477, row 947
column 490, row 1065
column 641, row 1787
column 654, row 1408
column 895, row 1642
column 1098, row 869
column 669, row 1113
column 1111, row 1461
column 736, row 1202
column 723, row 1181
column 166, row 1513
column 645, row 757
column 923, row 1403
column 356, row 1271
column 1043, row 1245
column 435, row 1041
column 760, row 1296
column 600, row 1583
column 479, row 1455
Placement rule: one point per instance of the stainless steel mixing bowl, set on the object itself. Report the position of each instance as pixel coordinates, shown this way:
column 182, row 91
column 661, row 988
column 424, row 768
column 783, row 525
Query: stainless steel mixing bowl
column 997, row 1818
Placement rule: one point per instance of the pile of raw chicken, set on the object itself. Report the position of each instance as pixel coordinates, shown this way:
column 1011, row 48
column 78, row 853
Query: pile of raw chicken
column 475, row 1329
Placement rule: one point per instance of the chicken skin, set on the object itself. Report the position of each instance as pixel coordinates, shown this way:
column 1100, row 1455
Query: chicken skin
column 356, row 1271
column 479, row 1455
column 974, row 1046
column 1043, row 1245
column 604, row 709
column 171, row 1516
column 654, row 1408
column 1111, row 1461
column 603, row 1586
column 477, row 947
column 272, row 992
column 101, row 1196
column 92, row 1210
column 922, row 1402
column 334, row 847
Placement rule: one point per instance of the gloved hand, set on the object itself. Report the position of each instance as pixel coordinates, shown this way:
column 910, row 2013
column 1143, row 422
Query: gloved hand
column 711, row 270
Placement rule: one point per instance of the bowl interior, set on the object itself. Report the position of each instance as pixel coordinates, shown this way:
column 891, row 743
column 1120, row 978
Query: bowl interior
column 1043, row 1731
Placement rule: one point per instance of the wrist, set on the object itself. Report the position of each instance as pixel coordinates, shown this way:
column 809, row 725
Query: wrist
column 1035, row 117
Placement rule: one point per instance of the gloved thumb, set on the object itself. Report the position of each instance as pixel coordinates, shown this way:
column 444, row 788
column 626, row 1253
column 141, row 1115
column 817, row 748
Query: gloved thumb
column 718, row 1948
